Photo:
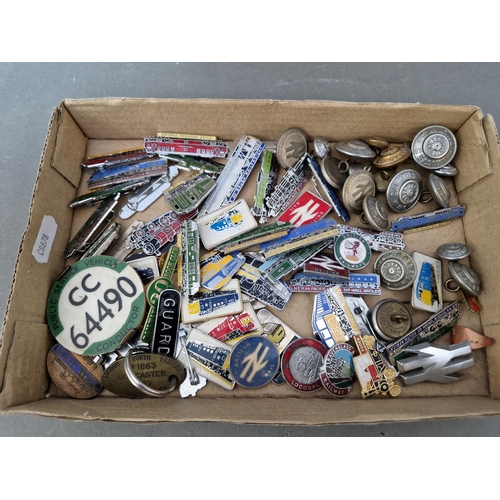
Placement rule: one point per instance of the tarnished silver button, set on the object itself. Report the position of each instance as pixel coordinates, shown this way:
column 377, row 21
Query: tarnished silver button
column 434, row 147
column 392, row 156
column 453, row 251
column 404, row 190
column 291, row 147
column 391, row 319
column 334, row 171
column 356, row 188
column 465, row 277
column 396, row 268
column 439, row 190
column 321, row 147
column 446, row 171
column 375, row 213
column 356, row 149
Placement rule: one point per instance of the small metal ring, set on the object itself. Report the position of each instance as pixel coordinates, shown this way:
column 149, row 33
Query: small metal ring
column 149, row 391
column 363, row 218
column 447, row 286
column 343, row 166
column 426, row 200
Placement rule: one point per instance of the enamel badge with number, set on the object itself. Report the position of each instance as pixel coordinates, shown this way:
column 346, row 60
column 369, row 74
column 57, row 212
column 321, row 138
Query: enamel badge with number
column 96, row 305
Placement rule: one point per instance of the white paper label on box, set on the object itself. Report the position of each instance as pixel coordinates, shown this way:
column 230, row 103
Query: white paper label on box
column 44, row 240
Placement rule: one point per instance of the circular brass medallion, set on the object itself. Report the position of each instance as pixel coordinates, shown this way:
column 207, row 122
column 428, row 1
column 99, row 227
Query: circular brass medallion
column 77, row 376
column 392, row 156
column 377, row 142
column 291, row 147
column 391, row 319
column 356, row 188
column 154, row 370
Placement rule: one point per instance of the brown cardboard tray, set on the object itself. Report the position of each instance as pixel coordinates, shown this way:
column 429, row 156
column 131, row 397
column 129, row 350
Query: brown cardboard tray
column 79, row 128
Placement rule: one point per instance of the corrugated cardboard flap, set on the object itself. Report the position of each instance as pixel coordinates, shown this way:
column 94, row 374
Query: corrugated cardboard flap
column 285, row 411
column 26, row 376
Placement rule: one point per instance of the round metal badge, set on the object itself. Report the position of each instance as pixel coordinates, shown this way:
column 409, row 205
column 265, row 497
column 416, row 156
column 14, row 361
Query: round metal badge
column 254, row 361
column 439, row 190
column 391, row 319
column 446, row 171
column 404, row 190
column 96, row 305
column 337, row 371
column 453, row 251
column 377, row 142
column 301, row 364
column 434, row 147
column 391, row 156
column 375, row 213
column 397, row 269
column 334, row 171
column 354, row 148
column 321, row 147
column 77, row 376
column 465, row 277
column 157, row 372
column 352, row 251
column 356, row 188
column 291, row 147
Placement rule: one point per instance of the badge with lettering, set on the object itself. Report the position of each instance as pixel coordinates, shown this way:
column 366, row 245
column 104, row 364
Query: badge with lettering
column 77, row 376
column 165, row 334
column 337, row 371
column 209, row 358
column 301, row 363
column 154, row 370
column 254, row 362
column 96, row 305
column 305, row 209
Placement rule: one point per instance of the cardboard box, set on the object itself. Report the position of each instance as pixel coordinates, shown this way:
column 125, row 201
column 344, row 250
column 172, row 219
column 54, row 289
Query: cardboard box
column 79, row 128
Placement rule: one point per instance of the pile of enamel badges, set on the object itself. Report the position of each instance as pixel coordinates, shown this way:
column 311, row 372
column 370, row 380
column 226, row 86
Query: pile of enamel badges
column 197, row 294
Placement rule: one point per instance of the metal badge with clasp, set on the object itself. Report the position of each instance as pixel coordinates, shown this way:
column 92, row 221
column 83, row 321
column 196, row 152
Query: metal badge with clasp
column 288, row 187
column 147, row 195
column 327, row 189
column 266, row 181
column 189, row 195
column 235, row 173
column 428, row 220
column 103, row 213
